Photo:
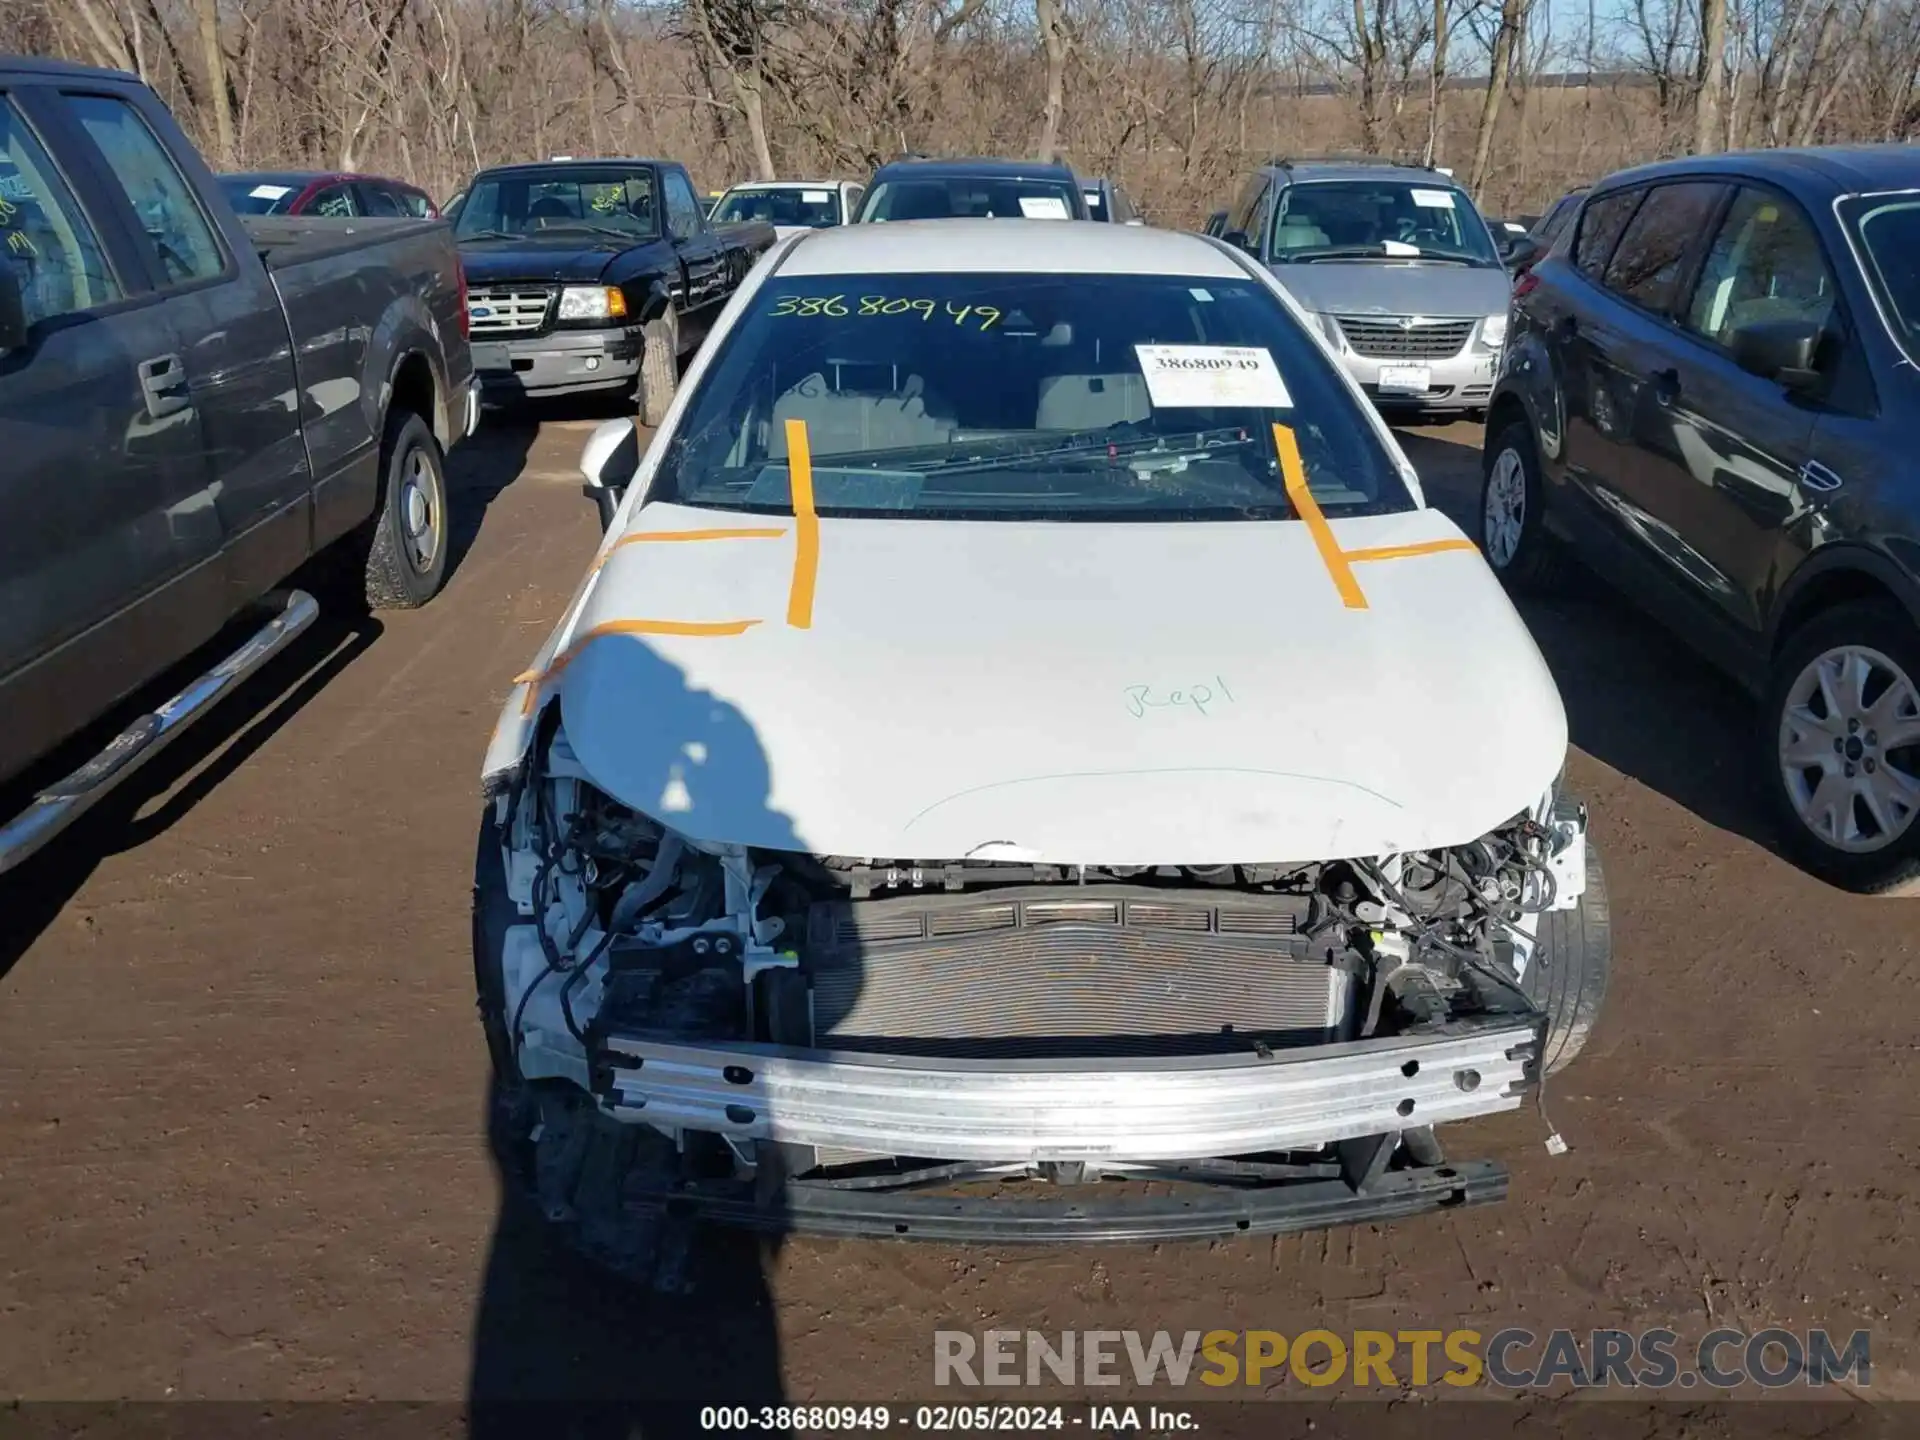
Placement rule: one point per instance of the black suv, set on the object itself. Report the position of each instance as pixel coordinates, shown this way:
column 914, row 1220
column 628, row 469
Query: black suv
column 1709, row 395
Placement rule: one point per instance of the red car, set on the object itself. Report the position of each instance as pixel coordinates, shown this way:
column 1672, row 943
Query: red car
column 325, row 193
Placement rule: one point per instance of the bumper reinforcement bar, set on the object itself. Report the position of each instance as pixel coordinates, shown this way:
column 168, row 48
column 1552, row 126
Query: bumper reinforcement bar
column 1162, row 1108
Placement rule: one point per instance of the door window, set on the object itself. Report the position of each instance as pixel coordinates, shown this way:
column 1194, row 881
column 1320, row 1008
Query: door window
column 380, row 201
column 1765, row 264
column 1243, row 217
column 1647, row 264
column 683, row 211
column 1600, row 225
column 336, row 202
column 45, row 241
column 167, row 209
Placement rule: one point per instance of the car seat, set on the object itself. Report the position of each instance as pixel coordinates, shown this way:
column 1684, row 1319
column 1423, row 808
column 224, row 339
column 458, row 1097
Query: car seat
column 550, row 207
column 1091, row 402
column 1298, row 232
column 842, row 422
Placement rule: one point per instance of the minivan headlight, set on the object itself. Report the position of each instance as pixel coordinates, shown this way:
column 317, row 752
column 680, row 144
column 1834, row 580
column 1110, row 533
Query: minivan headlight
column 592, row 302
column 1493, row 331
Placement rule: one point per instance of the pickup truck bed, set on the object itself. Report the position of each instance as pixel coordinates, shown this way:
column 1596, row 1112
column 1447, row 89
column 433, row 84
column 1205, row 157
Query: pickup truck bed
column 192, row 410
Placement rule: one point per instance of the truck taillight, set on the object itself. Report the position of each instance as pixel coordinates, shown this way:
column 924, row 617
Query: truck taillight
column 466, row 320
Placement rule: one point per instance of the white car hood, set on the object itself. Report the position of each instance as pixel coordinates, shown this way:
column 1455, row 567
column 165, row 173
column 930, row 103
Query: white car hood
column 1119, row 694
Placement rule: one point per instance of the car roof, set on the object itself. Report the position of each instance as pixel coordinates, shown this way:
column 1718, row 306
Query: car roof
column 974, row 246
column 785, row 185
column 982, row 168
column 1826, row 171
column 66, row 69
column 1298, row 170
column 535, row 166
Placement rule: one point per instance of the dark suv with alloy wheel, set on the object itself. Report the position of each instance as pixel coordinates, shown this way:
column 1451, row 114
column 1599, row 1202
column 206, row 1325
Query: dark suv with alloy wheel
column 1709, row 395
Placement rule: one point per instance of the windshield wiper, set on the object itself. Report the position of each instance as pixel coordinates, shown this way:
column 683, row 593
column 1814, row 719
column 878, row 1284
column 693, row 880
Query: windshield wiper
column 592, row 229
column 484, row 235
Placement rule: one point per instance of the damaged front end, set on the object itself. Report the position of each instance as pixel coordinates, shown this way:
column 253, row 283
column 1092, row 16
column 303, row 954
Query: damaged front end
column 858, row 1045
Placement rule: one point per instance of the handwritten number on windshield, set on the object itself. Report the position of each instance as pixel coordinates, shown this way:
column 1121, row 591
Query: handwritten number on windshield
column 985, row 317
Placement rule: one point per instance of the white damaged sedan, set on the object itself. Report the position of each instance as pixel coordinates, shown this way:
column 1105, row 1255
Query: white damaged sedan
column 1024, row 729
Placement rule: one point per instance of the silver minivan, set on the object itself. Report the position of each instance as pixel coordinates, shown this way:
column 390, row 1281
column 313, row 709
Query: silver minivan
column 1405, row 278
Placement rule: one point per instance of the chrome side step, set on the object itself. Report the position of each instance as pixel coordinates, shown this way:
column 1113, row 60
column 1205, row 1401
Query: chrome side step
column 60, row 804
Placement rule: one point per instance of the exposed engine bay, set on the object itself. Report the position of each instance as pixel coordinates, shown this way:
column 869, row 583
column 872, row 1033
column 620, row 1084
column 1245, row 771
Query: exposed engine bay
column 630, row 938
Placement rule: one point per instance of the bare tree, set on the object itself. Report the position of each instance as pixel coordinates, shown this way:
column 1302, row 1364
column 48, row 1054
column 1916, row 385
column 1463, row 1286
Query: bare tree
column 216, row 62
column 1712, row 84
column 1055, row 42
column 1507, row 39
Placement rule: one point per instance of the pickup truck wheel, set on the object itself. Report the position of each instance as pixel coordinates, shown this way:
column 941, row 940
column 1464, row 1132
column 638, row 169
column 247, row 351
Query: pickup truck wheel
column 659, row 367
column 407, row 561
column 1567, row 976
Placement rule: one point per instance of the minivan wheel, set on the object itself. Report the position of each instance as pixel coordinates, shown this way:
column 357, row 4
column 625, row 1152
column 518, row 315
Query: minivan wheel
column 1511, row 536
column 1841, row 746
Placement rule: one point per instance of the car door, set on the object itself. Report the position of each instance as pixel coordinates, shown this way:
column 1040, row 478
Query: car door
column 237, row 356
column 1614, row 341
column 1242, row 226
column 1727, row 470
column 109, row 541
column 701, row 257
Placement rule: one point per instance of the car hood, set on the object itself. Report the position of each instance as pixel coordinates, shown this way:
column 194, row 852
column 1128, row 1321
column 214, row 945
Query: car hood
column 1121, row 694
column 566, row 261
column 1386, row 287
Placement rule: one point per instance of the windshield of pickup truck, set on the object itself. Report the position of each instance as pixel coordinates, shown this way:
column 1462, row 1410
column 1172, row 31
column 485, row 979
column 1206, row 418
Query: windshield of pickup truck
column 615, row 202
column 987, row 198
column 1374, row 219
column 808, row 205
column 1025, row 397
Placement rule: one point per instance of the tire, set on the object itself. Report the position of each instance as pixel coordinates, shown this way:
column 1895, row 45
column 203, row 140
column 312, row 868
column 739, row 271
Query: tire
column 1530, row 560
column 493, row 914
column 1568, row 975
column 406, row 559
column 659, row 367
column 1880, row 633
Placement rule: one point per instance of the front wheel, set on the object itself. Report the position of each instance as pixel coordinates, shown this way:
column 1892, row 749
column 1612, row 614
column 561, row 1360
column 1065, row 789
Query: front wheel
column 1512, row 535
column 1572, row 963
column 1841, row 746
column 659, row 368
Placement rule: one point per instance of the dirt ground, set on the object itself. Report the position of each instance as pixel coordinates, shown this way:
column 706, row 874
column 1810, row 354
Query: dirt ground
column 242, row 1149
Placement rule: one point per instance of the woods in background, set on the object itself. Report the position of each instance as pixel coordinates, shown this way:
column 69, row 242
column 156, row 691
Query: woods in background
column 1175, row 99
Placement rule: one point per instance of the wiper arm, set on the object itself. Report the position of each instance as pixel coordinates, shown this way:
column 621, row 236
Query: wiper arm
column 483, row 235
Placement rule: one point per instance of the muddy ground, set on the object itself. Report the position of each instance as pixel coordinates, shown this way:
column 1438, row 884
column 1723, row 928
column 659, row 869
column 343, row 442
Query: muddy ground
column 241, row 1136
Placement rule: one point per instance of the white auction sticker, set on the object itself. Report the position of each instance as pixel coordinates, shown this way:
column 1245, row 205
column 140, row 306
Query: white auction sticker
column 1399, row 247
column 1434, row 199
column 1043, row 207
column 270, row 192
column 815, row 197
column 1189, row 377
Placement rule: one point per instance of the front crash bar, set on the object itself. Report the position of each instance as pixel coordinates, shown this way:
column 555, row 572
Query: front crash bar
column 1160, row 1108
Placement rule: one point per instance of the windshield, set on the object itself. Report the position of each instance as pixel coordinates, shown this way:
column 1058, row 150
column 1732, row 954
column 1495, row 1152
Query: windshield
column 797, row 205
column 991, row 198
column 1366, row 219
column 1025, row 397
column 260, row 194
column 616, row 203
column 1887, row 228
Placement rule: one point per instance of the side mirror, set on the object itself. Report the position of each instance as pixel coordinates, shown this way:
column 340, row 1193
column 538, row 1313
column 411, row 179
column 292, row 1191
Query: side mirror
column 1782, row 350
column 1519, row 251
column 1236, row 238
column 608, row 464
column 13, row 311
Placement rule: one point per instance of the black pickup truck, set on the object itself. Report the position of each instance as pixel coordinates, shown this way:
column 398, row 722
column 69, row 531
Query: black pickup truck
column 585, row 274
column 192, row 409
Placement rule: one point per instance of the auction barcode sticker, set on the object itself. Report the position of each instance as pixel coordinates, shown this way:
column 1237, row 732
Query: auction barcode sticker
column 1188, row 377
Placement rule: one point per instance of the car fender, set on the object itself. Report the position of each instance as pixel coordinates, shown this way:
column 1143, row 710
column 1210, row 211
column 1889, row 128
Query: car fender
column 514, row 730
column 1830, row 563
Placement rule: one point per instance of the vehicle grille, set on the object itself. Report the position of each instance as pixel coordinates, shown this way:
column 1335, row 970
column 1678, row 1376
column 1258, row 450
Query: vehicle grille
column 1390, row 337
column 508, row 310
